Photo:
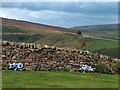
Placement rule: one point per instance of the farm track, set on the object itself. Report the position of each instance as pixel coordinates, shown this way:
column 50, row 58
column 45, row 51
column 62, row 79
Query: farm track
column 94, row 37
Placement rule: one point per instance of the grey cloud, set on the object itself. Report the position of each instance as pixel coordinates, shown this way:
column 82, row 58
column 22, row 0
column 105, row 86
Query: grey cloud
column 61, row 13
column 71, row 7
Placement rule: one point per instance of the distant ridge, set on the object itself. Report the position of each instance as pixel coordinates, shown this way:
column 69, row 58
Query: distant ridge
column 103, row 27
column 14, row 21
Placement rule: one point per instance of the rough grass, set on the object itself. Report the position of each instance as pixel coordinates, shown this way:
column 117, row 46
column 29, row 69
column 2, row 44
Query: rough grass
column 22, row 37
column 12, row 29
column 61, row 40
column 40, row 79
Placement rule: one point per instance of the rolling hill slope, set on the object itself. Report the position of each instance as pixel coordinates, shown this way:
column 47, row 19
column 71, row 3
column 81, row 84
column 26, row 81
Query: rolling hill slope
column 22, row 31
column 30, row 27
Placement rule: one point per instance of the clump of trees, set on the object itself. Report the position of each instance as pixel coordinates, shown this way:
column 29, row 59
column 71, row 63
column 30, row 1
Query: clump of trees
column 79, row 32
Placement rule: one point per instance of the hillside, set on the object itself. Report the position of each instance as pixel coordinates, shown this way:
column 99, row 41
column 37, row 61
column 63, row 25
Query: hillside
column 33, row 27
column 22, row 31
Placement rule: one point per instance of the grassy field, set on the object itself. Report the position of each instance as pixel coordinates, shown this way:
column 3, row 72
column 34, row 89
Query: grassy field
column 103, row 44
column 41, row 79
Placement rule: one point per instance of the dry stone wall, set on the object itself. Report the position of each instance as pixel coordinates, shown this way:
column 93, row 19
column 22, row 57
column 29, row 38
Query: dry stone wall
column 37, row 57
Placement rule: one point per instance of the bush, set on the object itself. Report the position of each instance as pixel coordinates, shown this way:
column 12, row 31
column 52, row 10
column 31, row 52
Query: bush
column 102, row 68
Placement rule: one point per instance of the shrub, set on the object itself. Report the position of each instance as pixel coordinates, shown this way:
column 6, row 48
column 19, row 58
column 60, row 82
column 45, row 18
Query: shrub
column 102, row 68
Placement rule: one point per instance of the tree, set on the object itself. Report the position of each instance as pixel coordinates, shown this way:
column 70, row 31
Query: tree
column 79, row 32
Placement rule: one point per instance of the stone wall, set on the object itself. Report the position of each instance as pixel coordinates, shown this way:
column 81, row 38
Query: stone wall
column 37, row 57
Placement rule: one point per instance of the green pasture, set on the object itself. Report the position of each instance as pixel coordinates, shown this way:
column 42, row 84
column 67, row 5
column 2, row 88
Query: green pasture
column 103, row 44
column 42, row 79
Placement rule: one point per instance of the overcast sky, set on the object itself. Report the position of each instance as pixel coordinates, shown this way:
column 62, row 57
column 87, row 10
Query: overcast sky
column 63, row 14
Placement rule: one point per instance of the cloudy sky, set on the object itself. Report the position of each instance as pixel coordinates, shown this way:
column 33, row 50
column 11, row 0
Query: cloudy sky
column 63, row 14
